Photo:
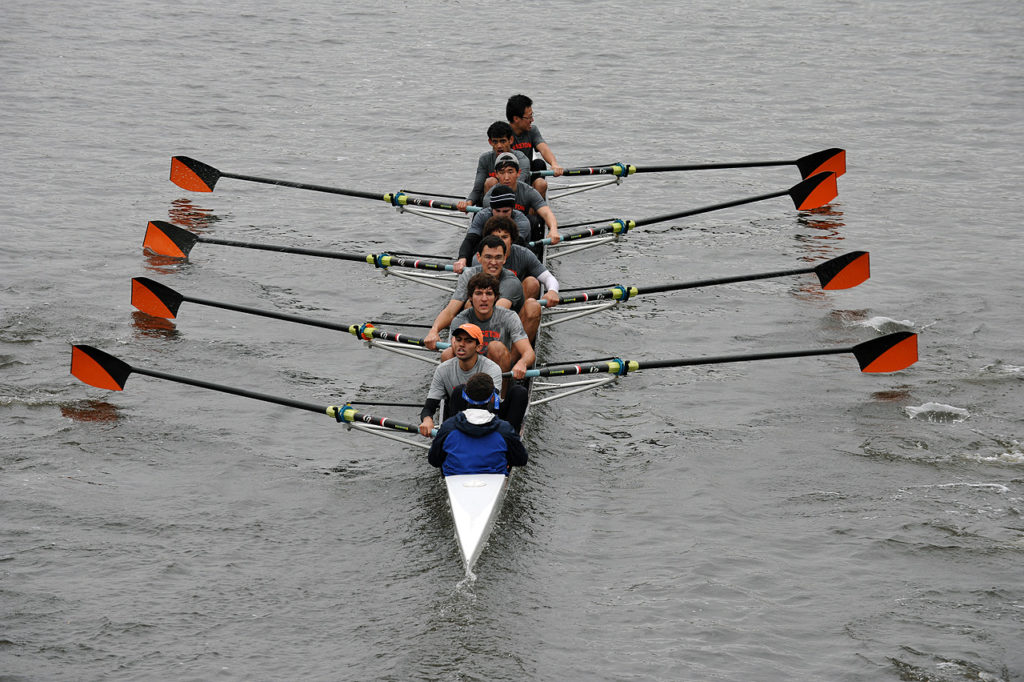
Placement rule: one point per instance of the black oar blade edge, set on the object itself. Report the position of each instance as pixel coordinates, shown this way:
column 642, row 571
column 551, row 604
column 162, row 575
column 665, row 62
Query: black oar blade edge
column 166, row 239
column 96, row 368
column 154, row 298
column 815, row 191
column 889, row 353
column 827, row 160
column 844, row 272
column 193, row 175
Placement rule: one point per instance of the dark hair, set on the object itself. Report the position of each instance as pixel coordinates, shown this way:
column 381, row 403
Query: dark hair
column 482, row 280
column 480, row 387
column 516, row 106
column 501, row 222
column 498, row 130
column 491, row 241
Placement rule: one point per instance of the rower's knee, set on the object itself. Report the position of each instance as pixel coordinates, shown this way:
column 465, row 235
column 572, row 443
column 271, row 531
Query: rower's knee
column 447, row 354
column 541, row 185
column 498, row 353
column 531, row 288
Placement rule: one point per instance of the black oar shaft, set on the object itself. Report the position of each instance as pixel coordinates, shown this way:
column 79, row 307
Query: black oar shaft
column 303, row 185
column 677, row 286
column 381, row 260
column 269, row 313
column 707, row 209
column 278, row 400
column 288, row 249
column 710, row 166
column 720, row 359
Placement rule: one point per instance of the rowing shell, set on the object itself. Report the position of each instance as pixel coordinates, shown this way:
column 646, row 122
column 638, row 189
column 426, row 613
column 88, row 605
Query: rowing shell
column 476, row 499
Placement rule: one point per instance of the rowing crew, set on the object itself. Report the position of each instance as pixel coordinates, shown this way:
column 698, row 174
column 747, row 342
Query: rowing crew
column 494, row 313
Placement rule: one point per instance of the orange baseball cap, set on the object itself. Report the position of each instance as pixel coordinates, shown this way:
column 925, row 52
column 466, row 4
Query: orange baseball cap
column 472, row 330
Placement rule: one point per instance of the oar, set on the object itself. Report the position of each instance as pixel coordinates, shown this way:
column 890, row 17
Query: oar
column 167, row 239
column 102, row 370
column 814, row 192
column 196, row 176
column 159, row 300
column 832, row 160
column 889, row 353
column 841, row 272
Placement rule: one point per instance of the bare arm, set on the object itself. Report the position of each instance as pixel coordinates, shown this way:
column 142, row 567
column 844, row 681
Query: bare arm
column 526, row 358
column 549, row 156
column 548, row 215
column 442, row 321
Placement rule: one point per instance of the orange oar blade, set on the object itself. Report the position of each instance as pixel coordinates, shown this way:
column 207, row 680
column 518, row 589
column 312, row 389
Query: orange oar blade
column 166, row 239
column 99, row 369
column 193, row 175
column 844, row 272
column 154, row 298
column 889, row 353
column 826, row 161
column 815, row 191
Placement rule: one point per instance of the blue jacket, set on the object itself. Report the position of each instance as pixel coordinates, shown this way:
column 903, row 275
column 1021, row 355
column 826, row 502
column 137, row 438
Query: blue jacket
column 462, row 447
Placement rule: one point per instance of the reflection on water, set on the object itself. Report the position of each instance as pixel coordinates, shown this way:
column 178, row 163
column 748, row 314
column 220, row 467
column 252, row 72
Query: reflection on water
column 162, row 265
column 90, row 411
column 893, row 396
column 826, row 222
column 187, row 214
column 149, row 326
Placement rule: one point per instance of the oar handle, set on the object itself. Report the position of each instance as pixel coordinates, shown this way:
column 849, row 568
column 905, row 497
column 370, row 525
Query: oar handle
column 349, row 414
column 368, row 331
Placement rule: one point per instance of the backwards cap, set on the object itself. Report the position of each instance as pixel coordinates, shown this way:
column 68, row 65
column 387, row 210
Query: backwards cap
column 506, row 159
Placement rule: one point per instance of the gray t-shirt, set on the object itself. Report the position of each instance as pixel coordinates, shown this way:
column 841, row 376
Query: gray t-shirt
column 503, row 326
column 527, row 198
column 522, row 262
column 480, row 218
column 509, row 286
column 527, row 142
column 485, row 169
column 449, row 374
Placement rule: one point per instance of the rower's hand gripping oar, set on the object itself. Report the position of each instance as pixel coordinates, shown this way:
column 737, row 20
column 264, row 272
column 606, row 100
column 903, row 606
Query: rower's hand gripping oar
column 166, row 239
column 814, row 192
column 160, row 300
column 889, row 353
column 196, row 176
column 842, row 272
column 102, row 370
column 827, row 160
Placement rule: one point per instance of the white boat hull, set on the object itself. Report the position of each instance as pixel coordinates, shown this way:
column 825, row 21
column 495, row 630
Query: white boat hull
column 475, row 500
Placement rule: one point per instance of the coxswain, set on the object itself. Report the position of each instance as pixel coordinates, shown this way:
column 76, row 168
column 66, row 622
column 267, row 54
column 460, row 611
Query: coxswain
column 476, row 440
column 519, row 113
column 499, row 136
column 528, row 200
column 451, row 376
